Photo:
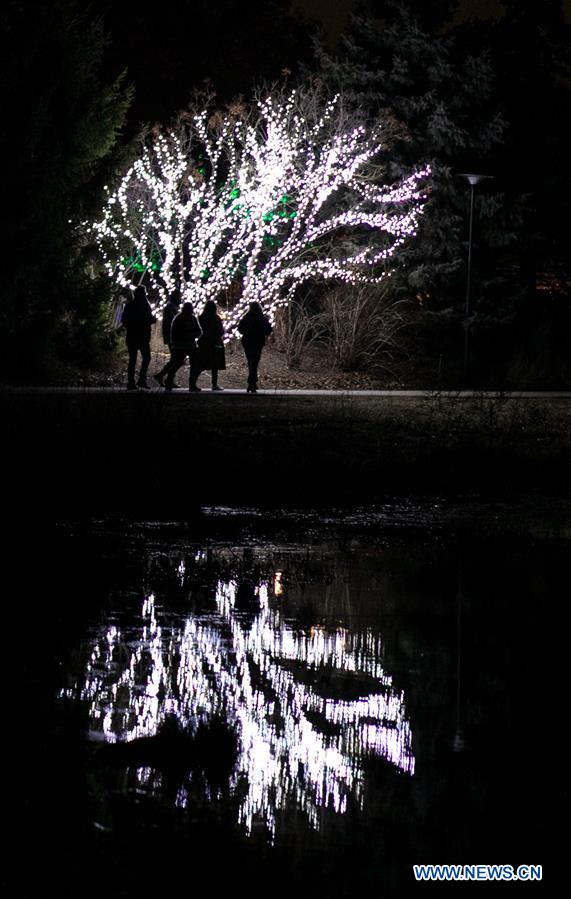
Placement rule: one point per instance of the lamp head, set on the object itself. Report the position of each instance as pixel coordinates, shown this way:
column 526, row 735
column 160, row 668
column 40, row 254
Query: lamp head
column 474, row 179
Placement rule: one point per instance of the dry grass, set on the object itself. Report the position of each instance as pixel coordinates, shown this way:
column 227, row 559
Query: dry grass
column 314, row 373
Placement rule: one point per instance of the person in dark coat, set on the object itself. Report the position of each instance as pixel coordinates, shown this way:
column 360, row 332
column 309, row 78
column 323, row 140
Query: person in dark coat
column 254, row 328
column 169, row 312
column 137, row 319
column 184, row 331
column 211, row 355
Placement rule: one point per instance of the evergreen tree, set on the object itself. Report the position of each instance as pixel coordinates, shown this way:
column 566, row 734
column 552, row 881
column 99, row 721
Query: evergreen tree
column 531, row 46
column 532, row 51
column 442, row 97
column 542, row 13
column 429, row 16
column 61, row 124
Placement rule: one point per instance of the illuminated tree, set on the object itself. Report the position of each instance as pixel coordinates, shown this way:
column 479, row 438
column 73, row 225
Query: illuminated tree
column 255, row 202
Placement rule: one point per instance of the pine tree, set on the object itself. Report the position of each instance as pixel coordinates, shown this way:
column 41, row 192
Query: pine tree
column 442, row 97
column 429, row 16
column 61, row 121
column 532, row 50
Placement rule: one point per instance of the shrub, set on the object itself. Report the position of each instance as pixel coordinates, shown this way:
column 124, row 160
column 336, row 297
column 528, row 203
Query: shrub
column 363, row 327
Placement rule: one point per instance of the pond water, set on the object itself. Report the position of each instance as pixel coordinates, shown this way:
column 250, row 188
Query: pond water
column 313, row 703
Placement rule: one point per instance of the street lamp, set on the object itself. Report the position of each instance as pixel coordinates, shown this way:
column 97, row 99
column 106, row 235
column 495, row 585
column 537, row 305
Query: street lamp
column 458, row 744
column 472, row 180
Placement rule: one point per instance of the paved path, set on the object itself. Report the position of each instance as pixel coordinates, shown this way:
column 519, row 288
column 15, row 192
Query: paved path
column 396, row 394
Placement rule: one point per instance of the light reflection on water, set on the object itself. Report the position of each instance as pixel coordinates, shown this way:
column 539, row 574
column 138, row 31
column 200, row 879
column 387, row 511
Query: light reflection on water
column 310, row 705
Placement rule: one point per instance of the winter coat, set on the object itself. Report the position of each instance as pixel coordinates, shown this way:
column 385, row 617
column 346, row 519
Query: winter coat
column 184, row 331
column 169, row 313
column 211, row 343
column 254, row 328
column 137, row 319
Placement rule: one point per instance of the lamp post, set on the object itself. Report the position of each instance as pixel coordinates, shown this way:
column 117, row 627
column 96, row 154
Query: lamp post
column 458, row 744
column 472, row 180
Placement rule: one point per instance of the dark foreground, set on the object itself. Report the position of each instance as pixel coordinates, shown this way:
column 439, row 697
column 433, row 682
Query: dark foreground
column 304, row 702
column 164, row 455
column 394, row 679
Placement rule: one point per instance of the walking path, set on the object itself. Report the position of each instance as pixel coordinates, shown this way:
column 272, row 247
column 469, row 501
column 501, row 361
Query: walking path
column 396, row 394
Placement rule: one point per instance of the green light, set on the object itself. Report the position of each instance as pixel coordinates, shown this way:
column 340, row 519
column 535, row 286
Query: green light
column 134, row 262
column 267, row 217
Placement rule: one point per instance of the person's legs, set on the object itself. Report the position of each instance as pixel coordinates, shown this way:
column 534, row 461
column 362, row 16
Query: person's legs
column 177, row 359
column 145, row 360
column 253, row 355
column 251, row 372
column 159, row 375
column 131, row 385
column 251, row 369
column 195, row 371
column 163, row 372
column 215, row 385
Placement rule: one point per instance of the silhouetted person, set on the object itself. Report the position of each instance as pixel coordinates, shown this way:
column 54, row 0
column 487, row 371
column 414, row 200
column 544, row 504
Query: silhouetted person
column 137, row 319
column 211, row 355
column 254, row 328
column 184, row 331
column 171, row 309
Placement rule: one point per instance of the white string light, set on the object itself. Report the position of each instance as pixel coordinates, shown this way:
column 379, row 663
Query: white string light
column 255, row 207
column 196, row 665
